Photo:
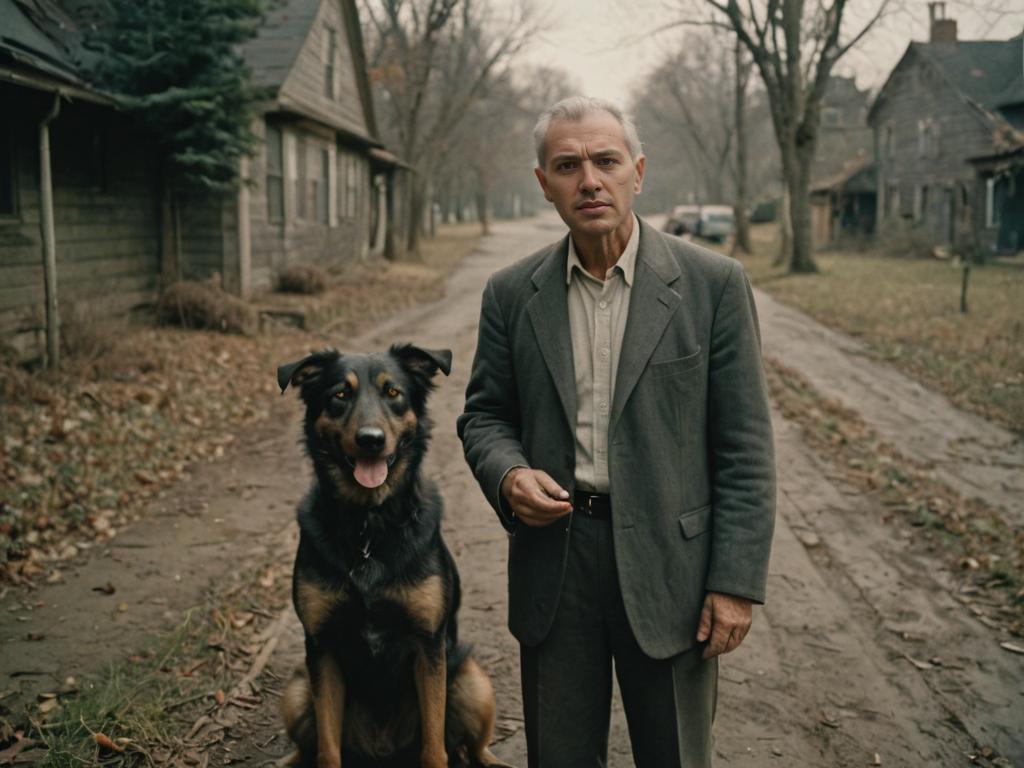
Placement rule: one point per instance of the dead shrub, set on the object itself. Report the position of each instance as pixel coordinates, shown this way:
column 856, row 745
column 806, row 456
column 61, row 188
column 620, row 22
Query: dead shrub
column 85, row 335
column 205, row 306
column 302, row 278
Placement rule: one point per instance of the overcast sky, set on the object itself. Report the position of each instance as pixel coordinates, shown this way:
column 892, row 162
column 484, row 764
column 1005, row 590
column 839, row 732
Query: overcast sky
column 608, row 46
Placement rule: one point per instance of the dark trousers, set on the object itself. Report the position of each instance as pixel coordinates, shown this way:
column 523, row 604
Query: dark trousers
column 567, row 683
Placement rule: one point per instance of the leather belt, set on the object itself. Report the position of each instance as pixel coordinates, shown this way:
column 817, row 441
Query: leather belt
column 595, row 505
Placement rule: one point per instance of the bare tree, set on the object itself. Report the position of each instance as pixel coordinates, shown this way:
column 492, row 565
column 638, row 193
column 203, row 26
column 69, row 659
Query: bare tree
column 430, row 61
column 795, row 44
column 741, row 78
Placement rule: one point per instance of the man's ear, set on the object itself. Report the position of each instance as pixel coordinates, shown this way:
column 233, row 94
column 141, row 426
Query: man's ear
column 639, row 167
column 305, row 370
column 543, row 179
column 423, row 363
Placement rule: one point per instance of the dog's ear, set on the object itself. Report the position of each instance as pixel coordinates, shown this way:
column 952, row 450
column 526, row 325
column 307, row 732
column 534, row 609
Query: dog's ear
column 424, row 363
column 305, row 370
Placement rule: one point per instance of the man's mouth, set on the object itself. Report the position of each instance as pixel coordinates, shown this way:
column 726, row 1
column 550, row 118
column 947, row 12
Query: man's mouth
column 371, row 473
column 592, row 206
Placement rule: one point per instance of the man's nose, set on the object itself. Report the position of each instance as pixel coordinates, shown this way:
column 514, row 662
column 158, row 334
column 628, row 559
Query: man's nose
column 589, row 182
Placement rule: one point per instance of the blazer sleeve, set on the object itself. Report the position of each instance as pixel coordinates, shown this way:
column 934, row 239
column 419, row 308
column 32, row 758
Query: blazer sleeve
column 489, row 426
column 741, row 448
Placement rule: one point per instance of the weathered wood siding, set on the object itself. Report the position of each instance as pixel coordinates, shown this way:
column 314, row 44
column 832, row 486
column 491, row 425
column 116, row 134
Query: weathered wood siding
column 925, row 192
column 106, row 218
column 305, row 87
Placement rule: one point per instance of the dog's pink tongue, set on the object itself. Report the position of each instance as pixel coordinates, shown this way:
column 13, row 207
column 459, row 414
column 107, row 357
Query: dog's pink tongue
column 371, row 473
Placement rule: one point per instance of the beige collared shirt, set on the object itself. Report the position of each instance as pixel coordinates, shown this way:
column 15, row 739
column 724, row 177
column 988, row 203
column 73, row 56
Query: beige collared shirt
column 597, row 323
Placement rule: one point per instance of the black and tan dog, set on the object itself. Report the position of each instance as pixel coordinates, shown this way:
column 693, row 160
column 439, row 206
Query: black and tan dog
column 386, row 681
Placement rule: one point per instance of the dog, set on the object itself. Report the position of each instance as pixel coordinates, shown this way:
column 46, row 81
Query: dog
column 386, row 681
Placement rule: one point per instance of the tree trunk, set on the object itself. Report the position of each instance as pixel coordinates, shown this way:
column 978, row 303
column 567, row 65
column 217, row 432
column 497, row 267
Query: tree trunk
column 802, row 260
column 741, row 242
column 416, row 195
column 483, row 208
column 782, row 257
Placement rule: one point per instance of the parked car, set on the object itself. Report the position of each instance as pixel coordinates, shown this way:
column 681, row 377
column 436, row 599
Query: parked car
column 715, row 222
column 682, row 220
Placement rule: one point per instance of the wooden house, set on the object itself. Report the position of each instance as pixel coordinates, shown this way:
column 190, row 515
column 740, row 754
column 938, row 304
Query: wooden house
column 320, row 187
column 948, row 102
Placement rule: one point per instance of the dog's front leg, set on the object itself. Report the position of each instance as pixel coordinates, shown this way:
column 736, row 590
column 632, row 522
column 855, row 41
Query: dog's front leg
column 431, row 689
column 329, row 705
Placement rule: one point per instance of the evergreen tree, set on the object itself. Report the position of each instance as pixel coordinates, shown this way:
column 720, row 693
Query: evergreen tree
column 176, row 66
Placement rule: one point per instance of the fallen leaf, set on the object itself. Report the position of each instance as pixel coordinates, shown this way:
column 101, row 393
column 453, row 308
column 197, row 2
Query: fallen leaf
column 219, row 697
column 917, row 663
column 877, row 760
column 1012, row 647
column 105, row 742
column 35, row 636
column 106, row 589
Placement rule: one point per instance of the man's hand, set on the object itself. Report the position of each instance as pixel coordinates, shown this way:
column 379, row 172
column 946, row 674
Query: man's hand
column 535, row 498
column 724, row 622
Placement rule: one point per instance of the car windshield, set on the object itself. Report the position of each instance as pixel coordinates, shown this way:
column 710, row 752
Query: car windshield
column 720, row 218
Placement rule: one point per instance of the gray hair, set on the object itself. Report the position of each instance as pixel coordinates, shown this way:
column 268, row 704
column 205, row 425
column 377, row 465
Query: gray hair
column 574, row 109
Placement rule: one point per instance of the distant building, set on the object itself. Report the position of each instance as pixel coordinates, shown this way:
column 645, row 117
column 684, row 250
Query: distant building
column 322, row 188
column 842, row 176
column 947, row 140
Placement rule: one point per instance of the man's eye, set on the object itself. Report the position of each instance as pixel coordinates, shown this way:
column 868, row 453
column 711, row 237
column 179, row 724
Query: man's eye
column 566, row 166
column 606, row 161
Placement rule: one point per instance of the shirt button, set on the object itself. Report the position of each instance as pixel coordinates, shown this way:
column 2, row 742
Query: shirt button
column 603, row 304
column 604, row 352
column 604, row 407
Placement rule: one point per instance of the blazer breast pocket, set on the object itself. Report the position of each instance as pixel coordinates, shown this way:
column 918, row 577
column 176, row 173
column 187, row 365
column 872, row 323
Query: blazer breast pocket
column 677, row 367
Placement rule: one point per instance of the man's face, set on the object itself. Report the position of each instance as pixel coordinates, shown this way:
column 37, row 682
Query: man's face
column 589, row 175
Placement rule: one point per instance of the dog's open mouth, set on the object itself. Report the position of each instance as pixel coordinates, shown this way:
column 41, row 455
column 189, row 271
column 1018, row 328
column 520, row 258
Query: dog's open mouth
column 371, row 473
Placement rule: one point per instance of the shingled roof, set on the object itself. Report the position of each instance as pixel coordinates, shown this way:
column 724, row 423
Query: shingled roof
column 988, row 74
column 271, row 54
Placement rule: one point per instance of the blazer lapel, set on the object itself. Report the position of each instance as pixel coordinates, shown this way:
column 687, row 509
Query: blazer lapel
column 549, row 314
column 651, row 304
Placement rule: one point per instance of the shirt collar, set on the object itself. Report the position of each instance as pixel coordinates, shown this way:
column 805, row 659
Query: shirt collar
column 626, row 263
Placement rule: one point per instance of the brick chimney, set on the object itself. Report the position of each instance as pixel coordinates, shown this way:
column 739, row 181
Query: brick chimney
column 942, row 30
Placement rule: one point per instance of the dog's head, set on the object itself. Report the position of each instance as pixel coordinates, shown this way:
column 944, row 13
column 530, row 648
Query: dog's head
column 366, row 421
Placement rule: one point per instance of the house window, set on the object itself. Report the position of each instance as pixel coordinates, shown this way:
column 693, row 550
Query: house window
column 995, row 197
column 300, row 177
column 892, row 201
column 927, row 138
column 352, row 182
column 830, row 117
column 330, row 55
column 922, row 203
column 8, row 191
column 320, row 187
column 275, row 175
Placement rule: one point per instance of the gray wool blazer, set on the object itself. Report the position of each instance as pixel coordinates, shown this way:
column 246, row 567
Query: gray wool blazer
column 690, row 453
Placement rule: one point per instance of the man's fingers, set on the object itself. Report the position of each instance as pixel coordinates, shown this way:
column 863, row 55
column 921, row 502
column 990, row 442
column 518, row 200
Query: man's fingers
column 735, row 638
column 550, row 487
column 719, row 637
column 704, row 626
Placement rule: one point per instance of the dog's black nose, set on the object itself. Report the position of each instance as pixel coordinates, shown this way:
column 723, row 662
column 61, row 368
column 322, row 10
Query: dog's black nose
column 370, row 437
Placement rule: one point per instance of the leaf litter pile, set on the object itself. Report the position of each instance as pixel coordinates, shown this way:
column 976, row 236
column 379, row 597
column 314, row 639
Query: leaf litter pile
column 82, row 452
column 973, row 537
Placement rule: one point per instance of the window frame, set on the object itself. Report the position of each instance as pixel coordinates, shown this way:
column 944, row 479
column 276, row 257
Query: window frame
column 270, row 176
column 11, row 182
column 330, row 57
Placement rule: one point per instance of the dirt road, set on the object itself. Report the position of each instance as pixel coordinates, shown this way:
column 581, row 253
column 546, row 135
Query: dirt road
column 826, row 678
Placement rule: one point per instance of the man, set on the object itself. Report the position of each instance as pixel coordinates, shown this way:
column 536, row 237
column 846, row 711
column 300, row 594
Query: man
column 617, row 420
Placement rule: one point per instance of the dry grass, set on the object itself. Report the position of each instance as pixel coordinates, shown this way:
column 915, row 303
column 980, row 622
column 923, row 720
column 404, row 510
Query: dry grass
column 302, row 278
column 906, row 311
column 205, row 306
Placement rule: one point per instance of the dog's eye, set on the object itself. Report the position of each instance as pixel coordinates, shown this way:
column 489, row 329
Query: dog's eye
column 392, row 392
column 342, row 395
